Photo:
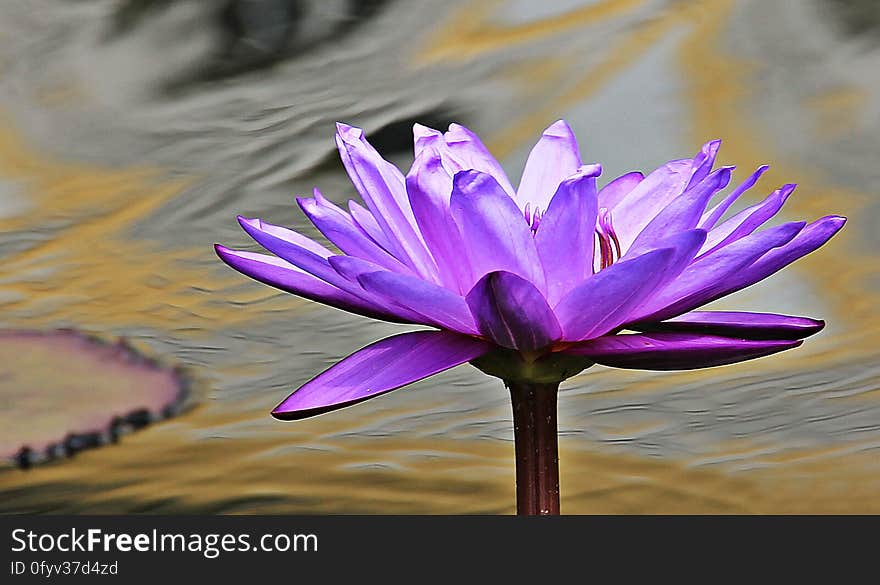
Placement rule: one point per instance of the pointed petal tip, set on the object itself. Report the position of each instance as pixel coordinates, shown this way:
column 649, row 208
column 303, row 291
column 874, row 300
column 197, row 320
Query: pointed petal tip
column 234, row 257
column 307, row 202
column 344, row 128
column 783, row 344
column 279, row 413
column 793, row 227
column 817, row 326
column 756, row 174
column 287, row 413
column 251, row 226
column 420, row 131
column 830, row 225
column 722, row 176
column 560, row 128
column 456, row 133
column 589, row 170
column 283, row 413
column 349, row 134
column 246, row 222
column 229, row 256
column 708, row 151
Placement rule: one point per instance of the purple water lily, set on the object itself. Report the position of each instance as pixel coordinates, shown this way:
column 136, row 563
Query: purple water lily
column 532, row 284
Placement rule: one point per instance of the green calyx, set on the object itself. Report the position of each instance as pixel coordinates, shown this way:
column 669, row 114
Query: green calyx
column 516, row 366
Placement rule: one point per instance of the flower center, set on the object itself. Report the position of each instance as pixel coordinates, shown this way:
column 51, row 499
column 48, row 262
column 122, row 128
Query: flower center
column 609, row 245
column 533, row 217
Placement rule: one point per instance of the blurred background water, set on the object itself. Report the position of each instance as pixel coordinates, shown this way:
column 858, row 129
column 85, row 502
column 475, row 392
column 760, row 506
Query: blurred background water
column 133, row 131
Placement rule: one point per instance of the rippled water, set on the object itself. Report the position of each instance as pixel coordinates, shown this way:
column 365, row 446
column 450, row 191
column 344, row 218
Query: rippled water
column 130, row 138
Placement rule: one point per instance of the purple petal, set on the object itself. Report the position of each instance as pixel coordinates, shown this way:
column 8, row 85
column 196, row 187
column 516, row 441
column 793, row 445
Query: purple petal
column 352, row 270
column 496, row 237
column 739, row 325
column 258, row 226
column 683, row 213
column 567, row 233
column 604, row 301
column 651, row 195
column 808, row 240
column 554, row 157
column 612, row 193
column 382, row 187
column 439, row 306
column 312, row 257
column 675, row 351
column 330, row 269
column 379, row 182
column 708, row 277
column 704, row 161
column 711, row 217
column 379, row 368
column 461, row 150
column 363, row 219
column 470, row 151
column 429, row 186
column 512, row 312
column 747, row 220
column 424, row 136
column 349, row 270
column 289, row 246
column 287, row 277
column 338, row 227
column 686, row 245
column 295, row 248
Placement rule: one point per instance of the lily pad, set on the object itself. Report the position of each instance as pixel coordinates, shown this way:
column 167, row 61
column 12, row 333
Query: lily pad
column 64, row 391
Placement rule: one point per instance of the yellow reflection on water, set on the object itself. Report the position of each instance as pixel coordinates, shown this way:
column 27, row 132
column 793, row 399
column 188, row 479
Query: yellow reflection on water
column 85, row 270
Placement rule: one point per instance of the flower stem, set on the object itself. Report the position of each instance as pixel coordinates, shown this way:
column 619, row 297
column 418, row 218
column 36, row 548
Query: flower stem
column 537, row 455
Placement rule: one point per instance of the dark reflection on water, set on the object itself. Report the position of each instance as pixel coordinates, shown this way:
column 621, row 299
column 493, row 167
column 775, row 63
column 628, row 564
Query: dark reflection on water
column 858, row 16
column 112, row 190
